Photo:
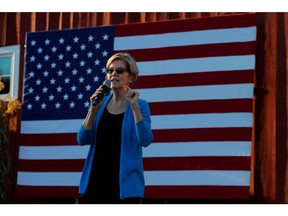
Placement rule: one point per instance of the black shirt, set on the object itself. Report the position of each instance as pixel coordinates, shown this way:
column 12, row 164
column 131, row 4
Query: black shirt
column 104, row 178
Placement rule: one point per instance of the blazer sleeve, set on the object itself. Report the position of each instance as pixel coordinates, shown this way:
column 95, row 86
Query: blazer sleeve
column 143, row 128
column 84, row 137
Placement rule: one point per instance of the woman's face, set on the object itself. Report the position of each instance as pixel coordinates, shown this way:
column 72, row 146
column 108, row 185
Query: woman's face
column 118, row 79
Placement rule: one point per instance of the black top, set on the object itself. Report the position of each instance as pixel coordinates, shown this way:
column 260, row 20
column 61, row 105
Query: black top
column 104, row 178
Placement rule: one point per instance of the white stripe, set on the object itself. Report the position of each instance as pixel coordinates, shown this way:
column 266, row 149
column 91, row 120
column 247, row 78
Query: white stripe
column 53, row 152
column 197, row 149
column 193, row 65
column 48, row 178
column 185, row 38
column 211, row 120
column 227, row 178
column 50, row 126
column 181, row 149
column 189, row 93
column 214, row 177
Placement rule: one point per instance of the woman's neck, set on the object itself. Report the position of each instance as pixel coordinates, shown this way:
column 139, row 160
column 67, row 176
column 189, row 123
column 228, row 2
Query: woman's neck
column 117, row 104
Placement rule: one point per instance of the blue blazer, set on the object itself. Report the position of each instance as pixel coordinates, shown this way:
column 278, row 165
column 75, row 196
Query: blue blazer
column 134, row 137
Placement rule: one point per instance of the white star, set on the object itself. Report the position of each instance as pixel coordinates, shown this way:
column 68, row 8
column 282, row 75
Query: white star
column 67, row 64
column 88, row 87
column 103, row 70
column 53, row 65
column 97, row 62
column 51, row 97
column 83, row 47
column 59, row 89
column 46, row 58
column 39, row 66
column 47, row 42
column 81, row 79
column 73, row 88
column 39, row 50
column 74, row 72
column 96, row 78
column 31, row 74
column 105, row 37
column 90, row 38
column 80, row 96
column 46, row 73
column 30, row 90
column 33, row 43
column 43, row 106
column 54, row 49
column 38, row 82
column 89, row 71
column 105, row 53
column 82, row 63
column 75, row 56
column 68, row 48
column 32, row 58
column 86, row 104
column 52, row 81
column 61, row 56
column 72, row 104
column 97, row 46
column 29, row 106
column 45, row 89
column 75, row 39
column 57, row 105
column 61, row 40
column 90, row 54
column 67, row 80
column 65, row 97
column 60, row 73
column 37, row 98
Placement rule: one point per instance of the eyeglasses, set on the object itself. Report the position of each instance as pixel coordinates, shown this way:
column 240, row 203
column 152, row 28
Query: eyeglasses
column 119, row 70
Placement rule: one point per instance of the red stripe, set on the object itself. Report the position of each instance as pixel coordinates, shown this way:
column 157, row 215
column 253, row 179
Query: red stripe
column 161, row 192
column 167, row 135
column 194, row 51
column 48, row 139
column 203, row 134
column 159, row 27
column 66, row 165
column 197, row 192
column 205, row 106
column 167, row 163
column 195, row 79
column 47, row 191
column 197, row 163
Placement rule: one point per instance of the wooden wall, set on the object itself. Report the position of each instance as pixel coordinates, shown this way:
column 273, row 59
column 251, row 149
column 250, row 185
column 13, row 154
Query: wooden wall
column 270, row 149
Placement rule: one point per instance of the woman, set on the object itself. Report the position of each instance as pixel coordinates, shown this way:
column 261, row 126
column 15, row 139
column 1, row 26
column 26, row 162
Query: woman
column 117, row 128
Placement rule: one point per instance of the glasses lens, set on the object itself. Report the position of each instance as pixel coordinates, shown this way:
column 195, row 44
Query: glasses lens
column 118, row 70
column 109, row 70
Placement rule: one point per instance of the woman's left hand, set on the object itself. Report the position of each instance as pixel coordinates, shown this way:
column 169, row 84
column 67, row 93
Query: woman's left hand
column 131, row 96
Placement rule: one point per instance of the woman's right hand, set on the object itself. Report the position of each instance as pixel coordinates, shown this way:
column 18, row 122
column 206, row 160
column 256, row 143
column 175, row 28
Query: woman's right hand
column 96, row 93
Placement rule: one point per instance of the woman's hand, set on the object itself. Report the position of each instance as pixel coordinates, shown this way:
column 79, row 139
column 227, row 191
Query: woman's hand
column 96, row 93
column 131, row 96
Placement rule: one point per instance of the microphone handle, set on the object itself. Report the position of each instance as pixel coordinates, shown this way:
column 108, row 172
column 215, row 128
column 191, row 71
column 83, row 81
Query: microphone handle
column 98, row 98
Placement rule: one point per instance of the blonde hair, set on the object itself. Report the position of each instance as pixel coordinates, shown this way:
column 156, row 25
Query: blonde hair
column 130, row 61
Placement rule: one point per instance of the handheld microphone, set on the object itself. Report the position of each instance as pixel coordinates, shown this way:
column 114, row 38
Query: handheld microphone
column 106, row 88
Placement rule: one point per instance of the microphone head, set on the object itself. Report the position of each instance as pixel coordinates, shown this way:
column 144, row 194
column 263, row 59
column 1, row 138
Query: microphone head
column 107, row 83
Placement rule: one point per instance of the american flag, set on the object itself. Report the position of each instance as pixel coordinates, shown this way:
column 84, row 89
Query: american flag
column 198, row 78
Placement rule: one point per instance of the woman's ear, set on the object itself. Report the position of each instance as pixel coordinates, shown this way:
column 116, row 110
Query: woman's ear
column 131, row 78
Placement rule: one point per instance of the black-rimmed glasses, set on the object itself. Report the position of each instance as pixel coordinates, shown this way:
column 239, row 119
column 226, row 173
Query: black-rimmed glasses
column 119, row 70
